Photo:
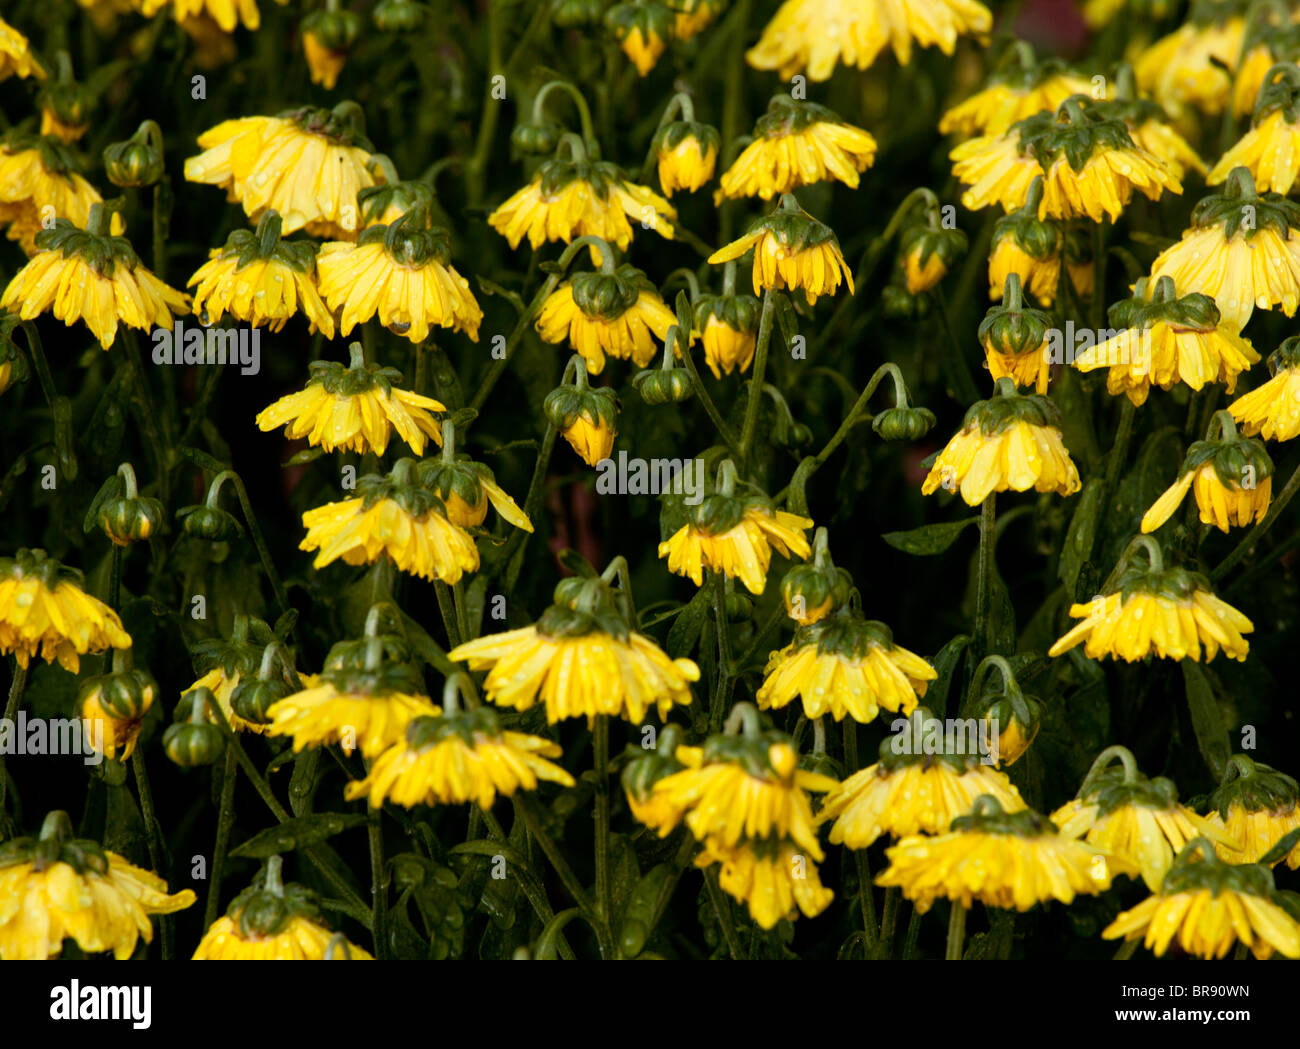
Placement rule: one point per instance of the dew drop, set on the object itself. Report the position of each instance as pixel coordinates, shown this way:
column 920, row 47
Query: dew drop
column 399, row 327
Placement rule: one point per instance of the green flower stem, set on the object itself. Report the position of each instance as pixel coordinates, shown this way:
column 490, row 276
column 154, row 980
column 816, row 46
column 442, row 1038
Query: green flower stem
column 756, row 378
column 888, row 923
column 954, row 361
column 16, row 687
column 1255, row 534
column 956, row 932
column 710, row 409
column 983, row 619
column 225, row 820
column 115, row 579
column 153, row 437
column 1099, row 276
column 348, row 900
column 36, row 352
column 491, row 111
column 462, row 611
column 1128, row 947
column 911, row 940
column 732, row 99
column 723, row 910
column 866, row 899
column 255, row 530
column 604, row 904
column 722, row 691
column 523, row 807
column 514, row 560
column 498, row 366
column 378, row 884
column 162, row 220
column 1118, row 451
column 531, row 888
column 157, row 850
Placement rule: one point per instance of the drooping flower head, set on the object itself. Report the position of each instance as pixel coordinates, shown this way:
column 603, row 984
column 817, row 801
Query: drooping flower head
column 308, row 164
column 401, row 272
column 1268, row 41
column 1018, row 87
column 1011, row 442
column 813, row 36
column 692, row 16
column 467, row 487
column 327, row 37
column 1255, row 806
column 261, row 280
column 1270, row 149
column 685, row 153
column 46, row 613
column 116, row 703
column 614, row 311
column 734, row 532
column 813, row 590
column 575, row 194
column 1010, row 718
column 791, row 250
column 843, row 665
column 1029, row 247
column 1192, row 67
column 1232, row 479
column 1272, row 410
column 92, row 276
column 1170, row 613
column 928, row 249
column 727, row 324
column 642, row 28
column 1137, row 819
column 1241, row 249
column 363, row 699
column 16, row 58
column 1015, row 340
column 584, row 657
column 458, row 756
column 797, row 143
column 1013, row 860
column 1208, row 906
column 394, row 515
column 271, row 921
column 1149, row 125
column 925, row 778
column 1166, row 339
column 223, row 664
column 586, row 416
column 57, row 887
column 355, row 406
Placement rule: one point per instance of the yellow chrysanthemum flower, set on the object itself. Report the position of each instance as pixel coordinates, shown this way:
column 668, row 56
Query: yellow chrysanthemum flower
column 813, row 36
column 115, row 704
column 1018, row 340
column 307, row 164
column 1255, row 807
column 355, row 407
column 1168, row 339
column 1270, row 149
column 585, row 416
column 845, row 665
column 395, row 516
column 685, row 154
column 1131, row 817
column 1170, row 613
column 614, row 311
column 1209, row 906
column 727, row 324
column 1011, row 860
column 1232, row 479
column 456, row 758
column 228, row 14
column 400, row 272
column 791, row 250
column 1020, row 88
column 797, row 144
column 741, row 788
column 735, row 535
column 1030, row 248
column 771, row 877
column 270, row 921
column 59, row 887
column 1009, row 443
column 573, row 198
column 323, row 63
column 93, row 277
column 44, row 612
column 66, row 131
column 580, row 659
column 642, row 31
column 16, row 58
column 261, row 280
column 923, row 781
column 364, row 708
column 1192, row 66
column 1272, row 410
column 1167, row 146
column 39, row 183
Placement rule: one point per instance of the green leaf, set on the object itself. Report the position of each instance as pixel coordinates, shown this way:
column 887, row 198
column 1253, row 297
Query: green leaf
column 945, row 665
column 300, row 833
column 685, row 630
column 1207, row 719
column 108, row 490
column 307, row 455
column 797, row 499
column 1081, row 534
column 928, row 539
column 1283, row 846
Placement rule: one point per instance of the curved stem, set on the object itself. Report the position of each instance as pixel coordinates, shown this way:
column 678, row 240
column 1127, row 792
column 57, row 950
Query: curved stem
column 756, row 379
column 254, row 529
